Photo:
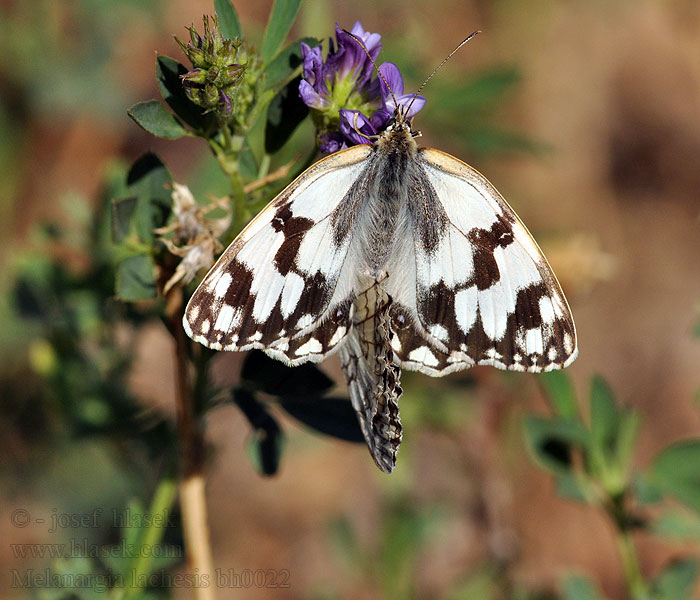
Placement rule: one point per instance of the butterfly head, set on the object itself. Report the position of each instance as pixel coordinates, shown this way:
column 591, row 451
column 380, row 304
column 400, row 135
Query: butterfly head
column 398, row 136
column 401, row 122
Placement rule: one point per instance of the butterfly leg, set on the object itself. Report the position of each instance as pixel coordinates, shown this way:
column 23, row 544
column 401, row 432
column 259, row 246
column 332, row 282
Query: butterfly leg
column 372, row 375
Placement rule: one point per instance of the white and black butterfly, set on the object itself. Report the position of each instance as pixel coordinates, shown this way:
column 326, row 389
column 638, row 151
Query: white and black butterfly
column 396, row 257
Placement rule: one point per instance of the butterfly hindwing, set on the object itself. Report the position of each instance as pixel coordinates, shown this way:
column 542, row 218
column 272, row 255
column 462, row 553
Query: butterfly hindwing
column 280, row 285
column 484, row 292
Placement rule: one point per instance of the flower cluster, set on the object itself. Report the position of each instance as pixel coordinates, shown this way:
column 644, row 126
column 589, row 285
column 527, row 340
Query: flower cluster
column 219, row 66
column 349, row 106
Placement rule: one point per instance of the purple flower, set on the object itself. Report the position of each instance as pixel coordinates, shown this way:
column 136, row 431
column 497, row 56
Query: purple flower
column 350, row 58
column 412, row 103
column 312, row 88
column 349, row 106
column 357, row 129
column 331, row 142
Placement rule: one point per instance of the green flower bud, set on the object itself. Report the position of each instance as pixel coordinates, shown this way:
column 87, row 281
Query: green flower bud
column 216, row 82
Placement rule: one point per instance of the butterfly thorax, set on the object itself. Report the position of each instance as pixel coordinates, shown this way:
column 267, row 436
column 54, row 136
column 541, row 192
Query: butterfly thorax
column 397, row 138
column 386, row 201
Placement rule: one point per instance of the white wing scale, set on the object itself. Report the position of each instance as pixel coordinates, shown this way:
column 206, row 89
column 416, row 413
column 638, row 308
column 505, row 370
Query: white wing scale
column 484, row 293
column 283, row 285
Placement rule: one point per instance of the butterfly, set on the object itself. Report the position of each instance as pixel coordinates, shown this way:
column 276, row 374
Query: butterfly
column 395, row 257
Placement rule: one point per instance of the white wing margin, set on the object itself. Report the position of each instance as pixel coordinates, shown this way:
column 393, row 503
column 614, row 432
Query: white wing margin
column 278, row 286
column 484, row 292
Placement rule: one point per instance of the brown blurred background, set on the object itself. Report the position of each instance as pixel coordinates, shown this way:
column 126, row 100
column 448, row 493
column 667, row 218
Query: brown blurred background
column 609, row 90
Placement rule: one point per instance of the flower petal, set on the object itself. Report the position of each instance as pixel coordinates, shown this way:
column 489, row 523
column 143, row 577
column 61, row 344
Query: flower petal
column 348, row 59
column 380, row 118
column 310, row 96
column 313, row 63
column 351, row 58
column 331, row 142
column 415, row 105
column 372, row 41
column 225, row 103
column 356, row 128
column 393, row 77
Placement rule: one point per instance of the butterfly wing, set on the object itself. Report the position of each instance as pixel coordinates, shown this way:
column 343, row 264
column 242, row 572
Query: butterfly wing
column 279, row 285
column 484, row 293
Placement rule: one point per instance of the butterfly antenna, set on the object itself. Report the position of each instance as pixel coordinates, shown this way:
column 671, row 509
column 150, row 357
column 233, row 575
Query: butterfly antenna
column 436, row 69
column 362, row 45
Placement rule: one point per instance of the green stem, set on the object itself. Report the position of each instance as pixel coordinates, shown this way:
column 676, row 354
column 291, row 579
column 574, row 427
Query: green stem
column 151, row 537
column 634, row 580
column 264, row 166
column 228, row 155
column 238, row 200
column 615, row 507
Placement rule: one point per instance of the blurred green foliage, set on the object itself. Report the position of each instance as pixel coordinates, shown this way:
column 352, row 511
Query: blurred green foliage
column 591, row 458
column 58, row 56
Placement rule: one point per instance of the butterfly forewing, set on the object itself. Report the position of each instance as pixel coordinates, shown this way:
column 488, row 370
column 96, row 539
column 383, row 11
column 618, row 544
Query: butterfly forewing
column 285, row 284
column 484, row 292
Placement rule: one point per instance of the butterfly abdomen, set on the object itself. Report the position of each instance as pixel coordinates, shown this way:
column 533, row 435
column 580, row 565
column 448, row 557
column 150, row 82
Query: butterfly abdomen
column 373, row 375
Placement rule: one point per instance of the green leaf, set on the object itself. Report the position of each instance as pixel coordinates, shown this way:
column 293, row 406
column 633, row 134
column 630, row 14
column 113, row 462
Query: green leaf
column 228, row 19
column 264, row 374
column 561, row 393
column 677, row 526
column 122, row 211
column 153, row 117
column 280, row 22
column 481, row 584
column 284, row 114
column 136, row 278
column 344, row 540
column 404, row 532
column 149, row 181
column 480, row 91
column 486, row 140
column 627, row 438
column 676, row 581
column 604, row 416
column 576, row 587
column 676, row 472
column 285, row 63
column 332, row 416
column 645, row 491
column 247, row 163
column 266, row 446
column 551, row 443
column 571, row 488
column 168, row 72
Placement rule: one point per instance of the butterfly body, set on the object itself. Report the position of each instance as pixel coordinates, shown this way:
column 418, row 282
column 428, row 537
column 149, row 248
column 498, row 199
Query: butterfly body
column 397, row 257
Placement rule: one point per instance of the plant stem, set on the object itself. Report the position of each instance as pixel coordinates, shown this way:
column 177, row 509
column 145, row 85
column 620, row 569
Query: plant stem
column 161, row 503
column 192, row 451
column 264, row 166
column 228, row 157
column 636, row 586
